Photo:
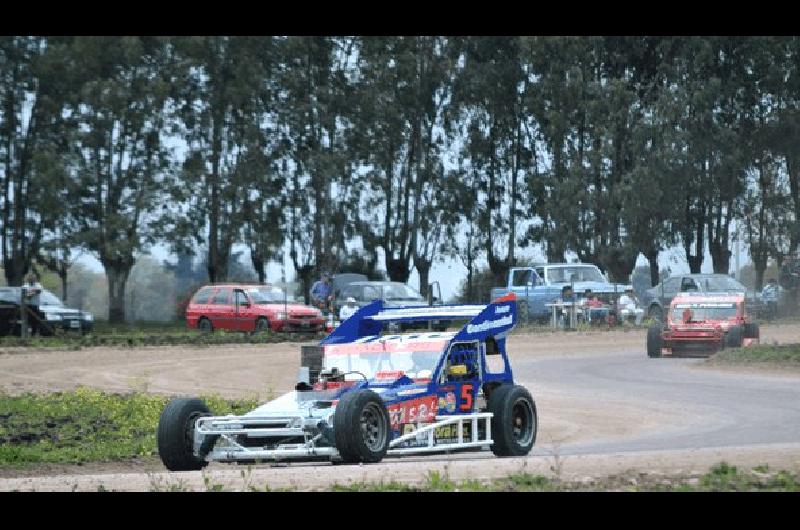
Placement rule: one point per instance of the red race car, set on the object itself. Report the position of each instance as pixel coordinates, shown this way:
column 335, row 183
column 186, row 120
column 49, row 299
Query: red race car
column 240, row 307
column 701, row 324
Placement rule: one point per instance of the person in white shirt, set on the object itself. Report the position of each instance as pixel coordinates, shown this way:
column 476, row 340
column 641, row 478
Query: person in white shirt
column 348, row 309
column 31, row 290
column 627, row 305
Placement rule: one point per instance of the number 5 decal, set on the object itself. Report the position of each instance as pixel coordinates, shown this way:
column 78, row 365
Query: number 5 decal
column 466, row 397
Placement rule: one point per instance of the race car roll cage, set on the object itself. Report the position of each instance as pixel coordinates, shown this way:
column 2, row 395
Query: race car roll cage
column 368, row 322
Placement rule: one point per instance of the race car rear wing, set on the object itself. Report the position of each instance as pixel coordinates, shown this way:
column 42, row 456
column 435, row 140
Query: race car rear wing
column 497, row 317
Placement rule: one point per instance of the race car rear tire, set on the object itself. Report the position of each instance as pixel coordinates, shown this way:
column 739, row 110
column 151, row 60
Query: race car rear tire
column 175, row 435
column 514, row 420
column 733, row 339
column 361, row 427
column 752, row 331
column 654, row 341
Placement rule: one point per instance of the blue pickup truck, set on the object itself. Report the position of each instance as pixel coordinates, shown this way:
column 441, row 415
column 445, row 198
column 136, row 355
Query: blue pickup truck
column 541, row 284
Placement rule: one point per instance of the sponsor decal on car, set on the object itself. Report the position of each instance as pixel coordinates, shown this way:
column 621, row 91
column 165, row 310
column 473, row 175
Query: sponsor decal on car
column 449, row 433
column 422, row 410
column 490, row 324
column 448, row 402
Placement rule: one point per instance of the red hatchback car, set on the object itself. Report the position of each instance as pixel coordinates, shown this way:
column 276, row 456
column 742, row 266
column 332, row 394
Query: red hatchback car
column 239, row 307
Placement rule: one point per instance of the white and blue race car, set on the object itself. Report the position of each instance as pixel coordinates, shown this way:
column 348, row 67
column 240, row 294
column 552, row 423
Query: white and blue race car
column 362, row 396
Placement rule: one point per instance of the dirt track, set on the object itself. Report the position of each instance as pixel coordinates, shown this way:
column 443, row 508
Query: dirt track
column 604, row 407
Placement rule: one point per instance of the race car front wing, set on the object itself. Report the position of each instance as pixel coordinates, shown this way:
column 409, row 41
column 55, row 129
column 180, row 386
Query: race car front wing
column 422, row 439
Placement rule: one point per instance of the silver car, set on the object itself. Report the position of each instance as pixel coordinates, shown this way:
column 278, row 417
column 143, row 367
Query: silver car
column 657, row 298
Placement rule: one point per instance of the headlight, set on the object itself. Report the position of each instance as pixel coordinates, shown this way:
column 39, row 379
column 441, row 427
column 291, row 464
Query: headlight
column 281, row 315
column 88, row 317
column 52, row 316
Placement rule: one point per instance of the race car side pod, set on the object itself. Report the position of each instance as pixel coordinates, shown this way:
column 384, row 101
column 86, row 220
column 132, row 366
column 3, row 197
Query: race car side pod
column 429, row 431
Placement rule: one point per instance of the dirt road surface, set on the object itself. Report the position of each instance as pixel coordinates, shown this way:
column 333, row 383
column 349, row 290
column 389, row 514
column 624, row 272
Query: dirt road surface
column 603, row 406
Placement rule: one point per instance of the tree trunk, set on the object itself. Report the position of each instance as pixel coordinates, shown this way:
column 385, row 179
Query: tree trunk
column 117, row 276
column 424, row 269
column 258, row 264
column 63, row 275
column 398, row 269
column 655, row 273
column 760, row 266
column 304, row 275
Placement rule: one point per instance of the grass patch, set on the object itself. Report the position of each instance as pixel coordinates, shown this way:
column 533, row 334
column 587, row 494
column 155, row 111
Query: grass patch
column 148, row 334
column 86, row 425
column 722, row 477
column 785, row 354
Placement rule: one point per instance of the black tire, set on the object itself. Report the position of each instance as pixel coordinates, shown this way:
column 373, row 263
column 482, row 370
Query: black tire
column 205, row 325
column 361, row 427
column 514, row 423
column 175, row 435
column 752, row 331
column 262, row 325
column 656, row 313
column 654, row 341
column 733, row 339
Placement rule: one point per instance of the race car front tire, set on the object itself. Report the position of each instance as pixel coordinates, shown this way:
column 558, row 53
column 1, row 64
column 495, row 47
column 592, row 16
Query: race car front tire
column 361, row 427
column 654, row 341
column 733, row 339
column 514, row 420
column 751, row 331
column 175, row 435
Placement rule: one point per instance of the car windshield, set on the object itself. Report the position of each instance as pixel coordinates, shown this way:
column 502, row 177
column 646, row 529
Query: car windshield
column 722, row 283
column 703, row 311
column 416, row 365
column 269, row 295
column 574, row 274
column 398, row 291
column 48, row 298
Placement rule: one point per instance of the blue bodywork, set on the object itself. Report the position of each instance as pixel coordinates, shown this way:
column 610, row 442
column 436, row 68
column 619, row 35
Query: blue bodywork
column 408, row 401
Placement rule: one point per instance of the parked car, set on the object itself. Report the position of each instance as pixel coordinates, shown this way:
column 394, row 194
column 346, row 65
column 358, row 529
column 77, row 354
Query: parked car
column 394, row 294
column 242, row 307
column 541, row 284
column 52, row 312
column 659, row 297
column 701, row 324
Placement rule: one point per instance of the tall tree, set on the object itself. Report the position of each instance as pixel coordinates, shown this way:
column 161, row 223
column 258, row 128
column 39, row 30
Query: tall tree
column 223, row 104
column 34, row 83
column 121, row 165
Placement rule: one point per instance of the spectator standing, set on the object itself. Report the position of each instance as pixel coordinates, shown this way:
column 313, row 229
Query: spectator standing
column 32, row 290
column 770, row 295
column 322, row 293
column 348, row 309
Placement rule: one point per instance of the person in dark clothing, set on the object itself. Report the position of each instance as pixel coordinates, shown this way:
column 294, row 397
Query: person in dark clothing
column 322, row 294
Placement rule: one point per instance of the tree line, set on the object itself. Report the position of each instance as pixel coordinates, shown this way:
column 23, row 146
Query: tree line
column 414, row 147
